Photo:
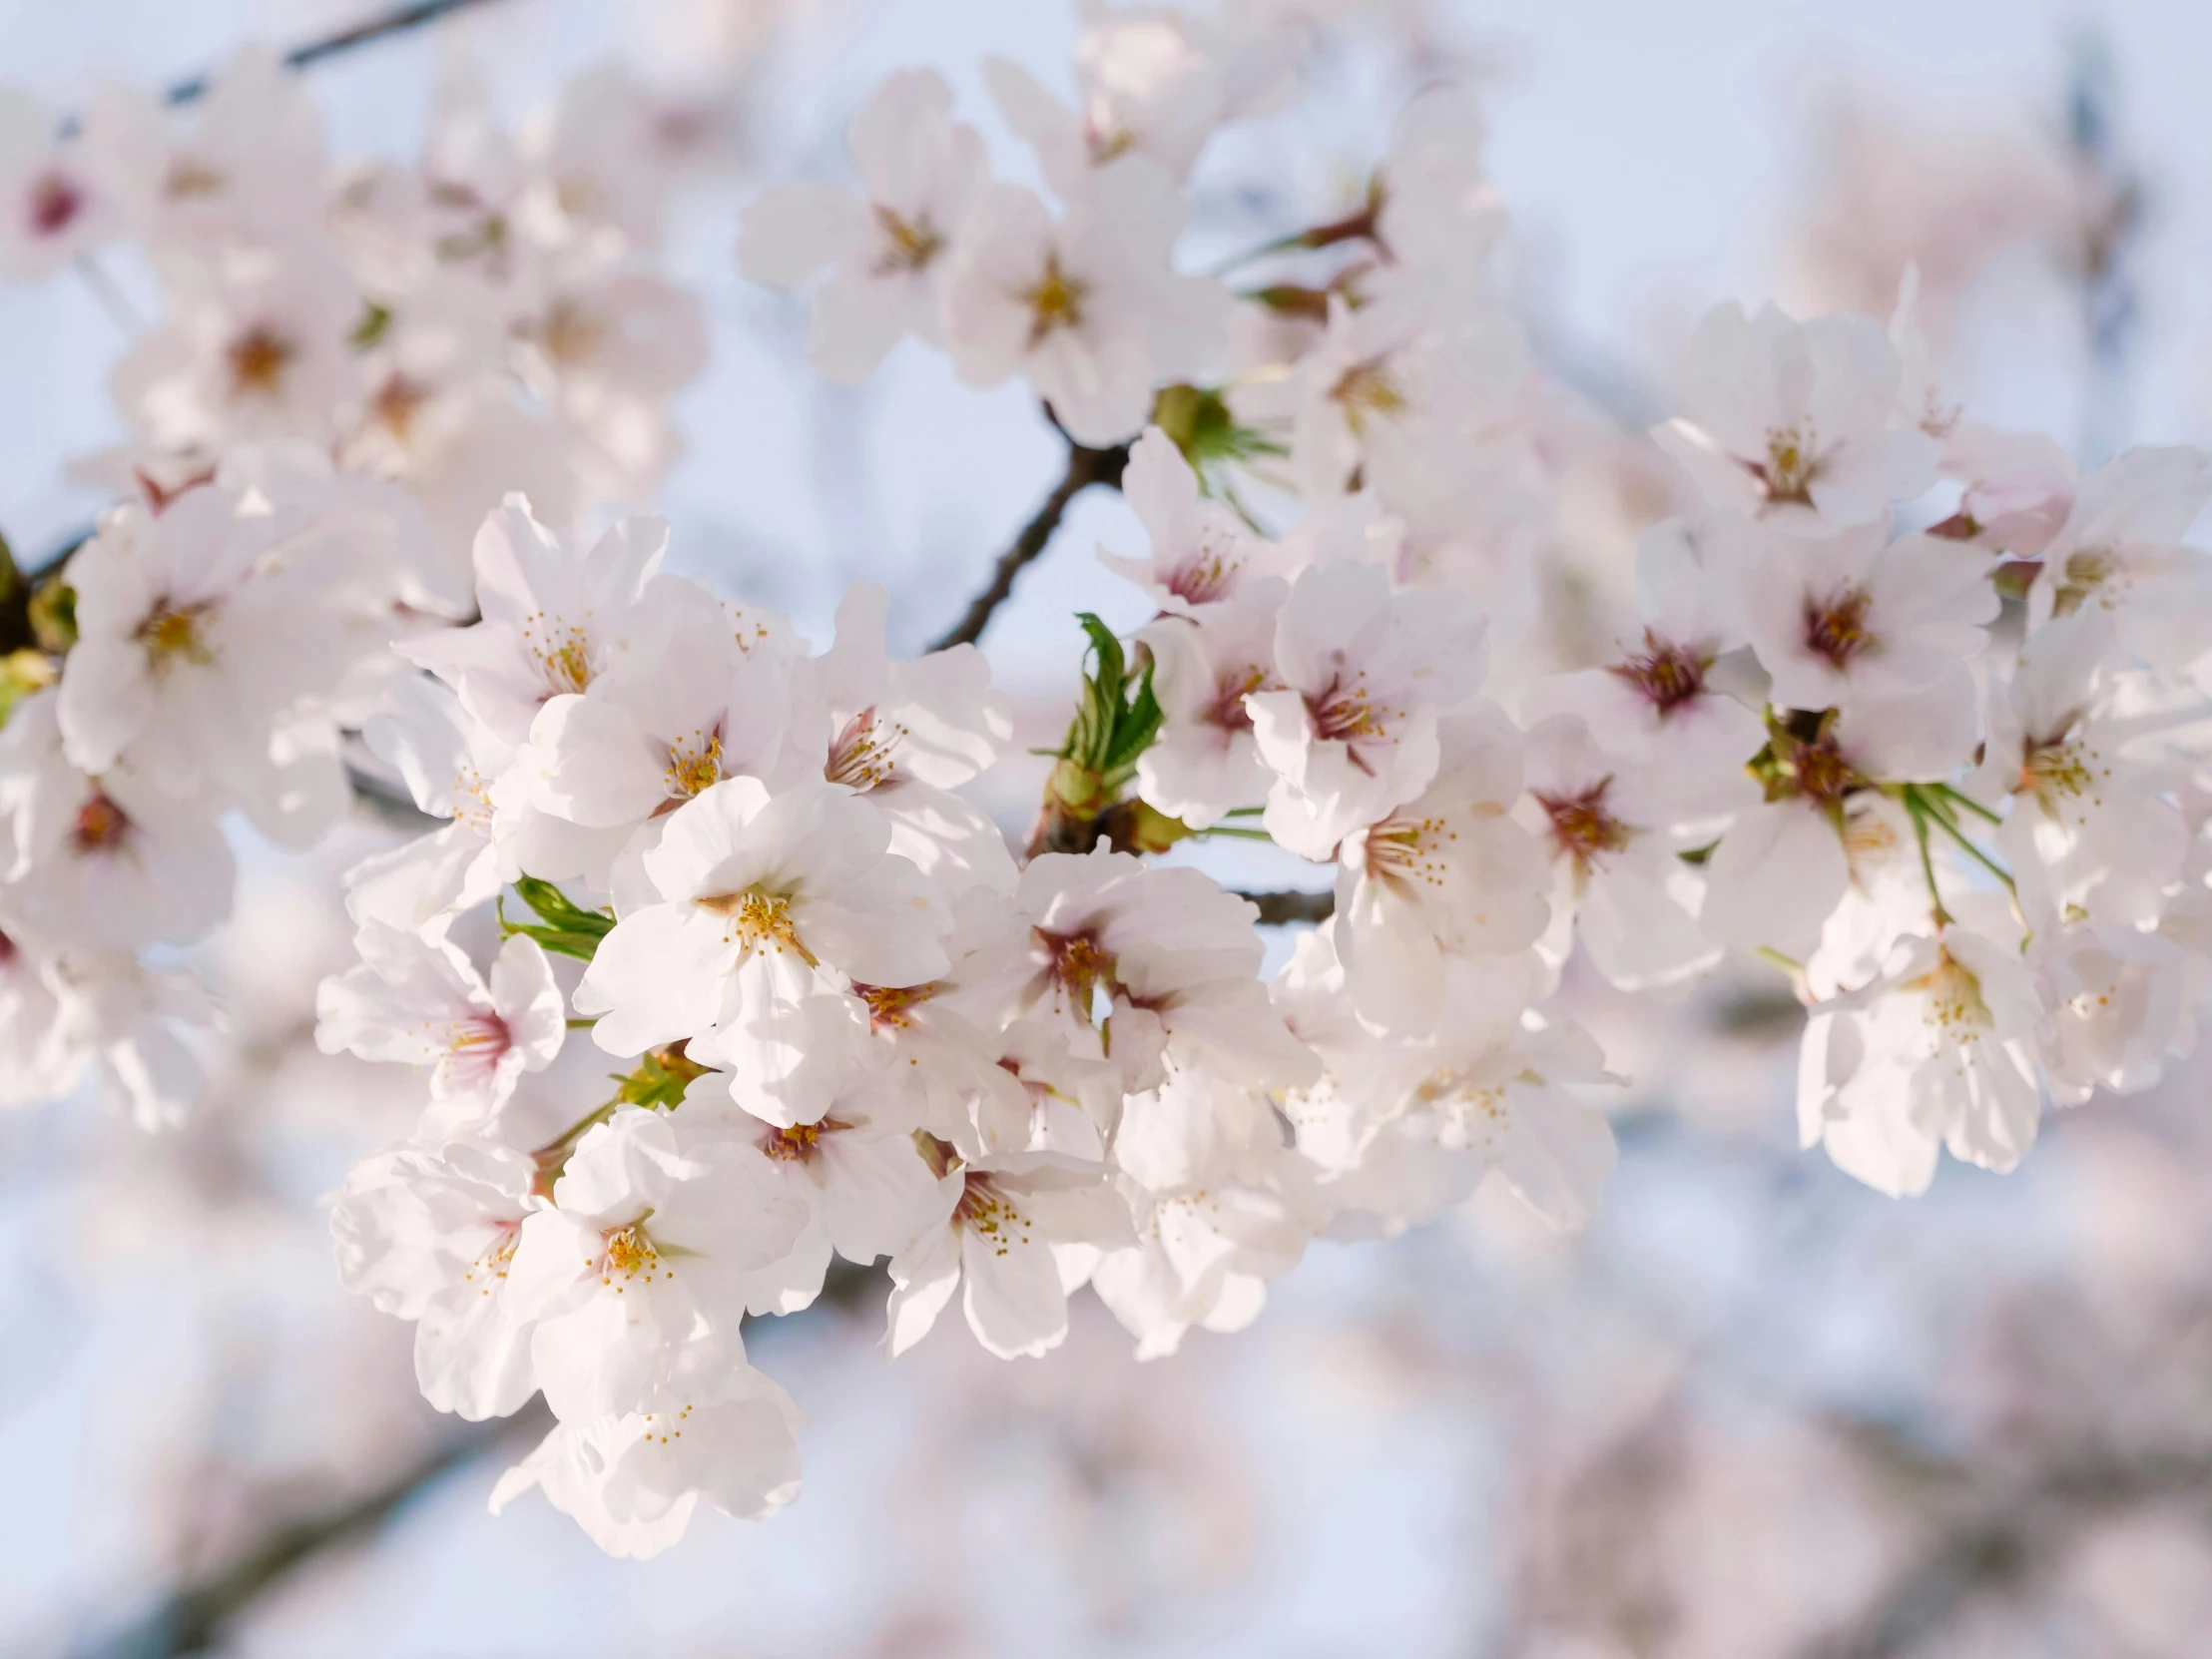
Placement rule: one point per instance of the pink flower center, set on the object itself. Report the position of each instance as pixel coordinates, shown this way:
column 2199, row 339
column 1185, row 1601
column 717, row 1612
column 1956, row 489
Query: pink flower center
column 477, row 1042
column 1667, row 675
column 1836, row 628
column 100, row 826
column 1582, row 826
column 55, row 204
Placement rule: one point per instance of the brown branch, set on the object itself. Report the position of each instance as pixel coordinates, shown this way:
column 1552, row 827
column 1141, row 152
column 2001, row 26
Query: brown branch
column 1999, row 1533
column 1086, row 466
column 1278, row 909
column 398, row 21
column 192, row 1617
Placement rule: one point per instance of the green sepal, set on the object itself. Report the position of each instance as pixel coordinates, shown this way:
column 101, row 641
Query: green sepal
column 659, row 1080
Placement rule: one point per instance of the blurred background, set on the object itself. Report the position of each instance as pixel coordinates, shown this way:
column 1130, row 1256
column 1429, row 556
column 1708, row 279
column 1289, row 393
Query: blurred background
column 1755, row 1410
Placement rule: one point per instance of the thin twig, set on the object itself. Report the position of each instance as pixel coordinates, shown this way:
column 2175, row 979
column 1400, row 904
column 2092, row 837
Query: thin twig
column 102, row 286
column 398, row 21
column 1278, row 909
column 1086, row 466
column 194, row 1617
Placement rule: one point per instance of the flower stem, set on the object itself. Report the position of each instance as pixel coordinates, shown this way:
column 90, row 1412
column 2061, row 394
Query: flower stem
column 1959, row 798
column 1920, row 814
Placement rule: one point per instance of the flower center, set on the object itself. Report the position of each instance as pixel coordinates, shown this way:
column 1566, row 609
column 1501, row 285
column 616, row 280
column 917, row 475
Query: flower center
column 1582, row 827
column 799, row 1143
column 2085, row 573
column 1835, row 629
column 1207, row 575
column 1078, row 964
column 257, row 360
column 491, row 1267
column 694, row 763
column 1787, row 469
column 987, row 1213
column 887, row 1004
column 2055, row 773
column 569, row 334
column 863, row 753
column 55, row 204
column 1055, row 301
column 1106, row 139
column 1344, row 712
column 628, row 1252
column 1814, row 769
column 759, row 922
column 1365, row 391
column 563, row 651
column 478, row 1041
column 1667, row 675
column 188, row 178
column 1955, row 1008
column 1403, row 849
column 397, row 403
column 175, row 632
column 100, row 825
column 908, row 244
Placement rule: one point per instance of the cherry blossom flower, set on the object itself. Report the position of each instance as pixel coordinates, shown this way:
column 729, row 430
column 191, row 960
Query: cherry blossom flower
column 1605, row 826
column 1202, row 554
column 1662, row 701
column 1794, row 421
column 1782, row 869
column 429, row 1234
column 633, row 1276
column 553, row 620
column 1088, row 306
column 757, row 904
column 52, row 207
column 1447, row 874
column 207, row 651
column 421, row 1002
column 1004, row 1227
column 905, row 735
column 1206, row 761
column 1940, row 1051
column 1159, row 962
column 891, row 246
column 627, row 1481
column 1855, row 615
column 1365, row 676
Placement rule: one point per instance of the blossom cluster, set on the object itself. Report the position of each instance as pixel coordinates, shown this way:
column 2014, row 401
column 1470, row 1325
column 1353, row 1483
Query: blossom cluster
column 489, row 314
column 1903, row 710
column 352, row 365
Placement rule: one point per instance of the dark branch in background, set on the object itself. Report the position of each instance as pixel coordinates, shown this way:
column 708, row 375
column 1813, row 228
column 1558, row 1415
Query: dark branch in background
column 1278, row 909
column 2105, row 262
column 194, row 1617
column 398, row 21
column 2000, row 1534
column 1086, row 466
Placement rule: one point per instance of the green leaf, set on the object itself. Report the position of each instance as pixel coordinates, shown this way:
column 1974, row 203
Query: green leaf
column 564, row 927
column 1112, row 726
column 558, row 909
column 1134, row 728
column 1092, row 733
